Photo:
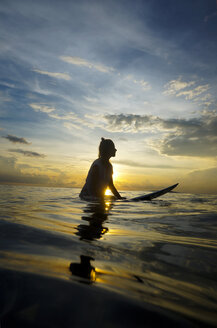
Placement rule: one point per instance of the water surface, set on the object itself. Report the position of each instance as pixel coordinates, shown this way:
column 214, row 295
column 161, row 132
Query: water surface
column 156, row 258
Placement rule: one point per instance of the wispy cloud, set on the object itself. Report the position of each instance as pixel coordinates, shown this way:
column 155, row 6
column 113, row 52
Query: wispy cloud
column 4, row 97
column 85, row 63
column 26, row 153
column 70, row 119
column 191, row 94
column 175, row 86
column 180, row 88
column 63, row 76
column 144, row 165
column 72, row 126
column 75, row 122
column 144, row 84
column 15, row 139
column 8, row 85
column 42, row 108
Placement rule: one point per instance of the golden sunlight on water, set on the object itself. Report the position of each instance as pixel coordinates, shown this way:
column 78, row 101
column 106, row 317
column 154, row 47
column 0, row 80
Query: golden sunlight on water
column 45, row 265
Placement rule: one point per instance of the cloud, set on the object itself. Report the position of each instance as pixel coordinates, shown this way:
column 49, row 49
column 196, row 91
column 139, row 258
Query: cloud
column 73, row 120
column 181, row 137
column 11, row 173
column 72, row 126
column 64, row 117
column 191, row 94
column 204, row 181
column 193, row 137
column 62, row 76
column 26, row 153
column 15, row 139
column 85, row 63
column 211, row 172
column 144, row 84
column 4, row 97
column 179, row 88
column 70, row 119
column 176, row 85
column 188, row 146
column 152, row 166
column 130, row 123
column 8, row 85
column 42, row 108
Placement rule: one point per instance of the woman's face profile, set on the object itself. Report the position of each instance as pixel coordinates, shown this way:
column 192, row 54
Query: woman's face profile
column 113, row 150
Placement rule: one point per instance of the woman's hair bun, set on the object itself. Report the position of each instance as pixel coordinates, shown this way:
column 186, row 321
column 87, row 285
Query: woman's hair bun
column 102, row 139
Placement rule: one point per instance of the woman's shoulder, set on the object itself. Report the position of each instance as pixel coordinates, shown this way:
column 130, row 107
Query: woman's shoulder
column 96, row 162
column 95, row 165
column 100, row 162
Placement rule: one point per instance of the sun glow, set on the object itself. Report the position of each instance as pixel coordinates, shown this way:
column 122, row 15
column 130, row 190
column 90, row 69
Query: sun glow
column 108, row 192
column 115, row 174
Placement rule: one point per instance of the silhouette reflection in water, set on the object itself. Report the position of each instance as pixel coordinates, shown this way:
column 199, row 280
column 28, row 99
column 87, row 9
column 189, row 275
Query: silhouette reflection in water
column 84, row 269
column 95, row 214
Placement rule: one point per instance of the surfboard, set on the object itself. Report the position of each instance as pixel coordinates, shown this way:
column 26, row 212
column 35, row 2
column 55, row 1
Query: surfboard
column 154, row 194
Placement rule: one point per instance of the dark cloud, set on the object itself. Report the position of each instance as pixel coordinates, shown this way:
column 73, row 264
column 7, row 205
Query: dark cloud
column 194, row 137
column 182, row 137
column 15, row 139
column 131, row 122
column 184, row 146
column 26, row 153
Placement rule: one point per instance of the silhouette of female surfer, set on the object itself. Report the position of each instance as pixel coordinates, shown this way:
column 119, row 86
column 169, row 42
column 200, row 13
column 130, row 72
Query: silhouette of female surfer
column 99, row 177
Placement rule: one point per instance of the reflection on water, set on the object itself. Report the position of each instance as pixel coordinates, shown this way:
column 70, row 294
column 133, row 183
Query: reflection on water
column 84, row 269
column 57, row 251
column 95, row 214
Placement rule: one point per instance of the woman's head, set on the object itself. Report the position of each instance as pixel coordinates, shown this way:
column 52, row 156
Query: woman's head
column 107, row 148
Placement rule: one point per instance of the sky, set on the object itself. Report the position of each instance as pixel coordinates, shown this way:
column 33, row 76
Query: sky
column 140, row 72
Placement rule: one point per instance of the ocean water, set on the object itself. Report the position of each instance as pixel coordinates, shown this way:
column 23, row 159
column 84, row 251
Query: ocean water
column 65, row 262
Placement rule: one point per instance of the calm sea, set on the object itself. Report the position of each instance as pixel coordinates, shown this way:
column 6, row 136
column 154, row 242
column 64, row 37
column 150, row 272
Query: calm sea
column 65, row 262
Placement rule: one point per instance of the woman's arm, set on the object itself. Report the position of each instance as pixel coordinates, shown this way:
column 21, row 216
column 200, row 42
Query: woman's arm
column 114, row 190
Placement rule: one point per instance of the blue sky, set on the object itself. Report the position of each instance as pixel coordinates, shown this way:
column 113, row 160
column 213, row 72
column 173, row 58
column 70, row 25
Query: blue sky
column 142, row 73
